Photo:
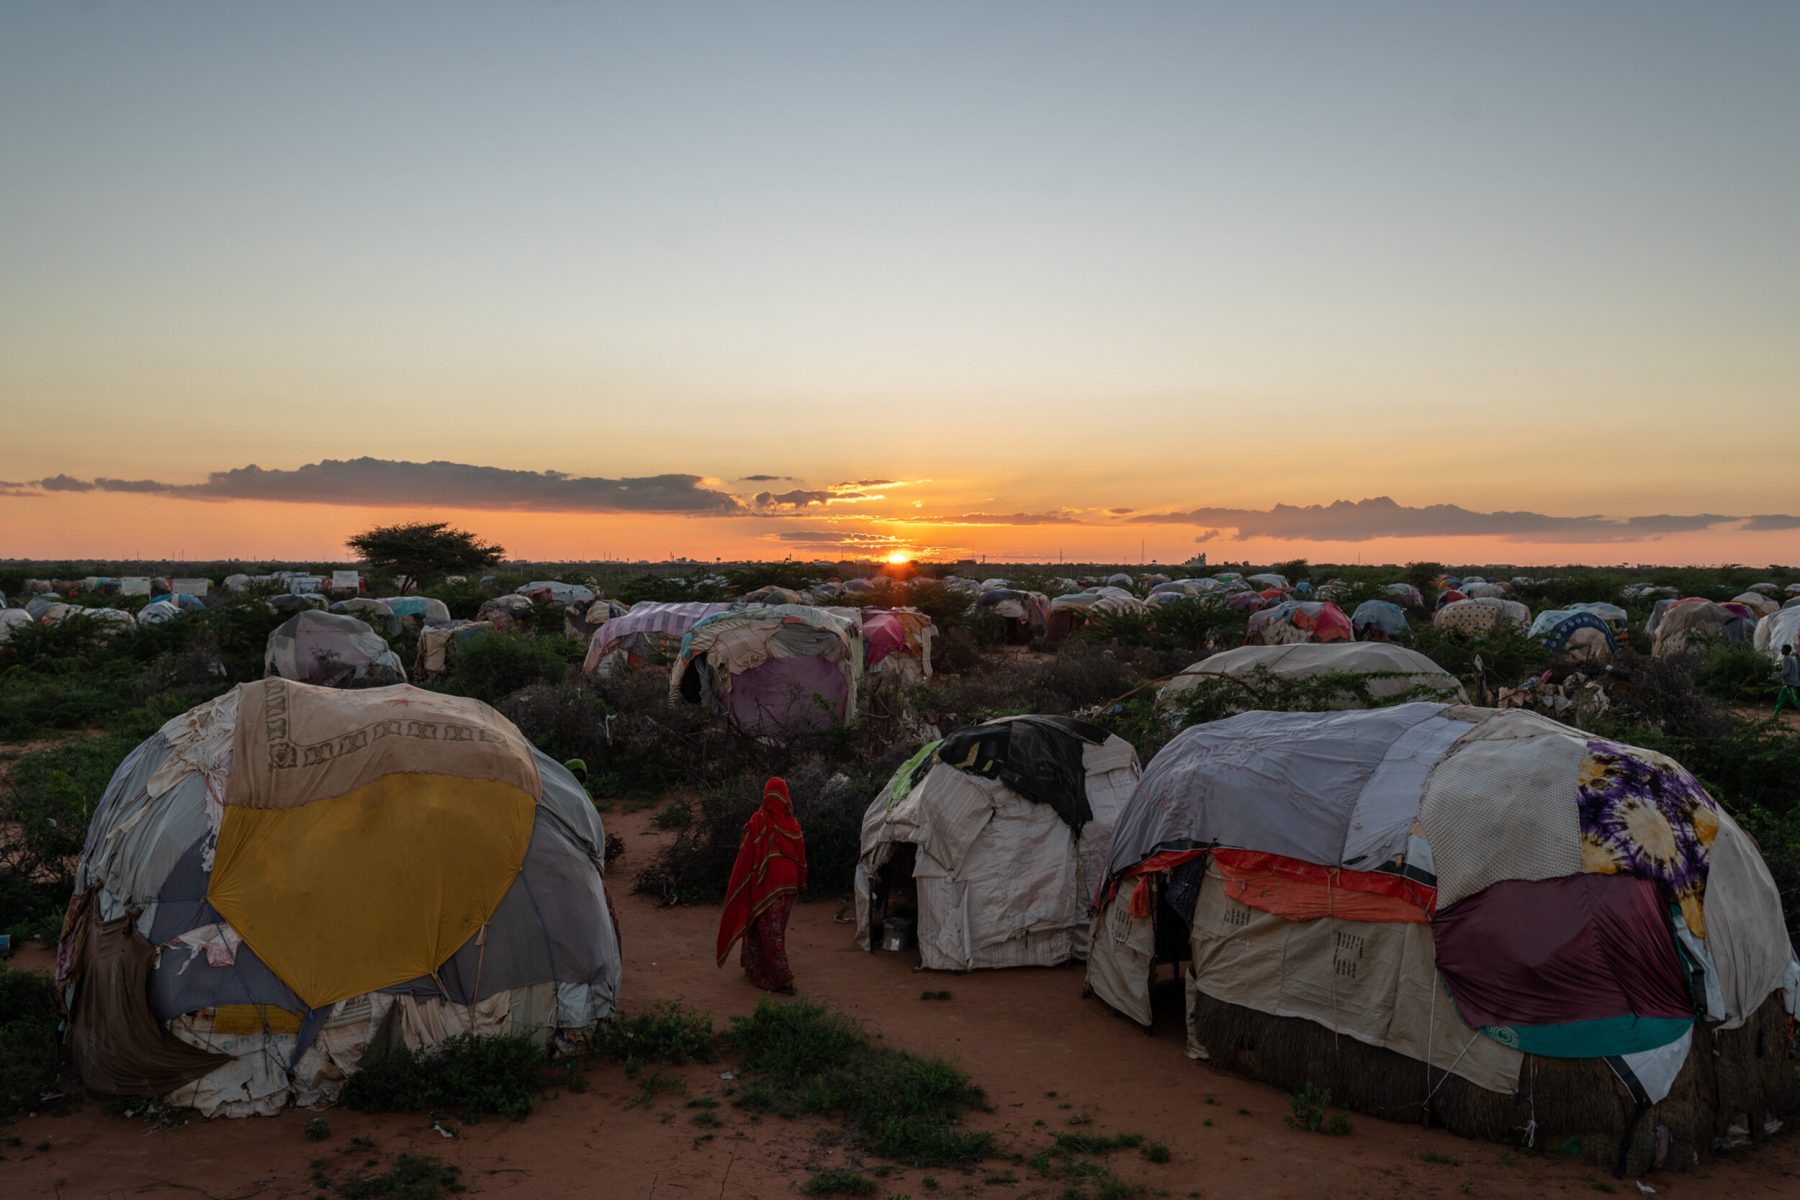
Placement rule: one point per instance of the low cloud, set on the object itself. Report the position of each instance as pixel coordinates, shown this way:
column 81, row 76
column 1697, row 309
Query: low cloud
column 1381, row 517
column 1018, row 518
column 765, row 478
column 1771, row 522
column 377, row 482
column 801, row 498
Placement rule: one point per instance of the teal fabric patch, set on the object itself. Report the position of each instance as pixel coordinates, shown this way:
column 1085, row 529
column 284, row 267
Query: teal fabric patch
column 1602, row 1038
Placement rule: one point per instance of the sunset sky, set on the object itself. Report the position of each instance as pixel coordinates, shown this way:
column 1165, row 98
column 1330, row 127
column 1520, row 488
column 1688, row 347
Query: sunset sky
column 1459, row 281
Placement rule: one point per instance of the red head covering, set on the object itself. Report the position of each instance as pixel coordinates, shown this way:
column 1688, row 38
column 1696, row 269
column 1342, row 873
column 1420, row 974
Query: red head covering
column 771, row 863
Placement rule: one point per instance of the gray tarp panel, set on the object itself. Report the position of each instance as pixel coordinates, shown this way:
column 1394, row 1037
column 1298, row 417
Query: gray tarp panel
column 519, row 947
column 1288, row 783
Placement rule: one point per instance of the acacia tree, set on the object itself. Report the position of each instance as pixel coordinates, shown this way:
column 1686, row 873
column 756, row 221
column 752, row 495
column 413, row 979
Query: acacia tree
column 420, row 550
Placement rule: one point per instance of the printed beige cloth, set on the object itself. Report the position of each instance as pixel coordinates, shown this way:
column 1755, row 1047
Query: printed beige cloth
column 296, row 743
column 1375, row 981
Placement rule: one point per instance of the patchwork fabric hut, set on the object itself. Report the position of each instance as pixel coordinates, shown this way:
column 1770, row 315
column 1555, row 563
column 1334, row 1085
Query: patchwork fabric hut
column 330, row 649
column 1292, row 621
column 1782, row 628
column 771, row 669
column 1479, row 615
column 1379, row 621
column 1383, row 671
column 1027, row 614
column 992, row 841
column 242, row 935
column 649, row 635
column 1480, row 915
column 1576, row 632
column 897, row 644
column 1686, row 624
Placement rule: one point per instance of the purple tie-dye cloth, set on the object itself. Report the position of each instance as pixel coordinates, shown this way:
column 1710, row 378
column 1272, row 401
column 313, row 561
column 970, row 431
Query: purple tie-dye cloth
column 1643, row 815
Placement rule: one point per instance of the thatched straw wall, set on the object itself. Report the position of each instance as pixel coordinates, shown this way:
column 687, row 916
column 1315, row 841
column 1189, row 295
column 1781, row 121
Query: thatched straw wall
column 1579, row 1105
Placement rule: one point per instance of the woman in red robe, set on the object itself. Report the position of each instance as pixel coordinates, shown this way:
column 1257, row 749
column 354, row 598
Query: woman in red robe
column 769, row 872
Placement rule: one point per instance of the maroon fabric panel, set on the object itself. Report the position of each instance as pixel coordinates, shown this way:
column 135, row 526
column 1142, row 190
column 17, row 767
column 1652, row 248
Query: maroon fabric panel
column 1549, row 951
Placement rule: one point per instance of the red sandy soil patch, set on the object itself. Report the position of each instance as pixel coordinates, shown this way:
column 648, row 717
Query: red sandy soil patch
column 1046, row 1056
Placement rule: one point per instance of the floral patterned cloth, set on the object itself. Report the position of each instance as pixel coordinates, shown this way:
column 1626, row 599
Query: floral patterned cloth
column 1643, row 815
column 764, row 953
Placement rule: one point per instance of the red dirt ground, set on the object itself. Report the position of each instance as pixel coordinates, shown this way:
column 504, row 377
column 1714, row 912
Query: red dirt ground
column 1046, row 1056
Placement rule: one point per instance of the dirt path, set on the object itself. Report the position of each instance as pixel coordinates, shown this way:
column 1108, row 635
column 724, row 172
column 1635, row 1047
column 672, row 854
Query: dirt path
column 1046, row 1056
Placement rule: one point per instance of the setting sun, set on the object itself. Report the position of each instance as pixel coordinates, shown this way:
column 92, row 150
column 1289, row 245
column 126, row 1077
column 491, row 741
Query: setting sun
column 899, row 558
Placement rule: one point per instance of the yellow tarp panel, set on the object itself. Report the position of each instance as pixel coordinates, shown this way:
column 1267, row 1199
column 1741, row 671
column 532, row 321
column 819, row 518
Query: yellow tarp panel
column 371, row 888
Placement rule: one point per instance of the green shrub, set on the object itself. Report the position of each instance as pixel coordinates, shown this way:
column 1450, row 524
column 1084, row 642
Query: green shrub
column 492, row 666
column 1738, row 673
column 673, row 815
column 662, row 1033
column 409, row 1177
column 30, row 1049
column 804, row 1058
column 470, row 1076
column 1308, row 1109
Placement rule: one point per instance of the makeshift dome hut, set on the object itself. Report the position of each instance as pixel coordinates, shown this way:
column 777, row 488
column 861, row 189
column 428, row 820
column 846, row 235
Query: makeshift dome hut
column 1404, row 594
column 647, row 636
column 290, row 602
column 1027, row 614
column 240, row 936
column 1757, row 603
column 1575, row 632
column 158, row 612
column 1382, row 671
column 991, row 843
column 502, row 612
column 1688, row 623
column 1782, row 628
column 1269, row 580
column 1069, row 613
column 380, row 617
column 416, row 612
column 1291, row 621
column 555, row 591
column 774, row 595
column 897, row 644
column 1479, row 615
column 771, row 669
column 1616, row 618
column 1379, row 621
column 12, row 620
column 1479, row 918
column 331, row 650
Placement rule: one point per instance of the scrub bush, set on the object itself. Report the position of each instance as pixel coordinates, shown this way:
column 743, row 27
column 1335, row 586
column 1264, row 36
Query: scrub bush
column 472, row 1077
column 30, row 1051
column 800, row 1058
